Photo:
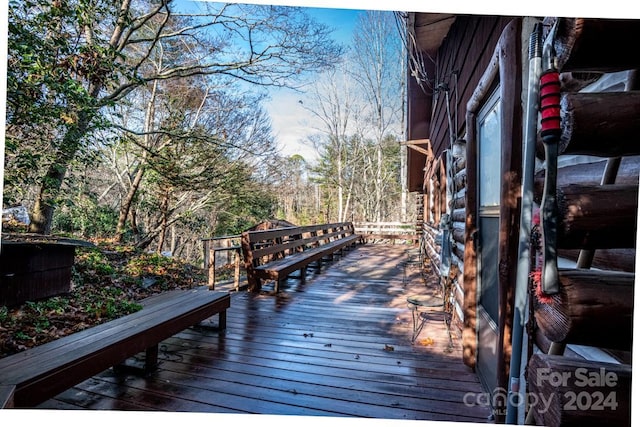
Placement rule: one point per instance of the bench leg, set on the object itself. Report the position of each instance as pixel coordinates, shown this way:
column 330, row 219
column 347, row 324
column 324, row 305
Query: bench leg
column 151, row 359
column 255, row 284
column 222, row 320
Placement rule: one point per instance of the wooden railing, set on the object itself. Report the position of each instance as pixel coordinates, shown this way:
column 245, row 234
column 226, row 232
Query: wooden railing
column 385, row 231
column 227, row 250
column 221, row 251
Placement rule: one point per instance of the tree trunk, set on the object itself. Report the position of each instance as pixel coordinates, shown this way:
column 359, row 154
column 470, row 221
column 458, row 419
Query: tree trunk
column 127, row 202
column 135, row 185
column 340, row 185
column 133, row 221
column 378, row 200
column 164, row 211
column 174, row 240
column 44, row 206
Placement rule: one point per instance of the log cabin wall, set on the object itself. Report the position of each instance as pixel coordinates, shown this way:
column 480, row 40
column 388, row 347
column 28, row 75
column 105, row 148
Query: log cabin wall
column 599, row 161
column 460, row 62
column 585, row 174
column 597, row 190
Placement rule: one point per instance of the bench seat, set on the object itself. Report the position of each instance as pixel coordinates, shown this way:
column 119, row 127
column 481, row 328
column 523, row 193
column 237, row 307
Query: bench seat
column 274, row 254
column 297, row 261
column 40, row 373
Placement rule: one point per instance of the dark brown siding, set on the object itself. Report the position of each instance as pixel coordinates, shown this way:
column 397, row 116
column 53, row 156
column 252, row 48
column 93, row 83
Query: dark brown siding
column 467, row 51
column 419, row 121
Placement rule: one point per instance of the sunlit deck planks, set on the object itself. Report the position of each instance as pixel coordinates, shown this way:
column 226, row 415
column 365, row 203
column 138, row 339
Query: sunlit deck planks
column 339, row 346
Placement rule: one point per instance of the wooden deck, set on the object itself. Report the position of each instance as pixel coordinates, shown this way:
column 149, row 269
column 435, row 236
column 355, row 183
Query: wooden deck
column 338, row 346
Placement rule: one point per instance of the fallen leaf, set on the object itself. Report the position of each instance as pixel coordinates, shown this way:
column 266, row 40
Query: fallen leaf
column 388, row 347
column 427, row 341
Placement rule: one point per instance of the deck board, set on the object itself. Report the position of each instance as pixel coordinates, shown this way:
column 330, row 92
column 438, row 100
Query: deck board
column 337, row 345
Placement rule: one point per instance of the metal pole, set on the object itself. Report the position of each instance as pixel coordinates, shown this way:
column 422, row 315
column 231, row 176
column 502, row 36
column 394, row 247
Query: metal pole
column 515, row 401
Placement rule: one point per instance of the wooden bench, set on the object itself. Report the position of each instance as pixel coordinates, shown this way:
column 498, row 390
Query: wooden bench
column 35, row 375
column 276, row 253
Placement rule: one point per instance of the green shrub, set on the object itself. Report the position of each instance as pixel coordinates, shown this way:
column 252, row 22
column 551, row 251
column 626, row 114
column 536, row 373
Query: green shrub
column 85, row 217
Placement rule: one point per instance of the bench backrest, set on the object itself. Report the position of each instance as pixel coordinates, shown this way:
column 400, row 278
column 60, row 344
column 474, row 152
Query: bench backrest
column 260, row 246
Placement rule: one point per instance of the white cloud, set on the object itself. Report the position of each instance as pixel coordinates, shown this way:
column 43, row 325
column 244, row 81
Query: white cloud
column 292, row 123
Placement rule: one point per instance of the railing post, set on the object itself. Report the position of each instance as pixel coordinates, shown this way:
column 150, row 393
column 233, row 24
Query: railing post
column 212, row 265
column 236, row 275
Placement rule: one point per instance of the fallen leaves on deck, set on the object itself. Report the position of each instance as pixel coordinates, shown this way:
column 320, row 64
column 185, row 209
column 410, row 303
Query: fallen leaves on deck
column 426, row 341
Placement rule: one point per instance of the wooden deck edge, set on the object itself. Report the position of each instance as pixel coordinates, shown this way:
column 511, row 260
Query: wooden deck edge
column 93, row 357
column 6, row 396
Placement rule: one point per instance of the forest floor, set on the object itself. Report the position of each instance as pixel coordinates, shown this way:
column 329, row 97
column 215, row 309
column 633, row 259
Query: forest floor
column 107, row 282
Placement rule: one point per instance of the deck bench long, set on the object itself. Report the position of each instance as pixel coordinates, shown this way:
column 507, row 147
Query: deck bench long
column 276, row 253
column 35, row 375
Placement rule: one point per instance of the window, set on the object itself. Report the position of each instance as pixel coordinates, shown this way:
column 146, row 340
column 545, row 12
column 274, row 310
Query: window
column 489, row 152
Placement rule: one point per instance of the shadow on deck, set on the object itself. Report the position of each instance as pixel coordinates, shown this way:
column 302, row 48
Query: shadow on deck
column 338, row 345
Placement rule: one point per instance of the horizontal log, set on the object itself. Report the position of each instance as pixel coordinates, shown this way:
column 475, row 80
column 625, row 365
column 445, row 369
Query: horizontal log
column 574, row 82
column 593, row 308
column 596, row 216
column 430, row 233
column 606, row 259
column 596, row 44
column 460, row 179
column 435, row 266
column 544, row 345
column 459, row 226
column 455, row 260
column 602, row 216
column 605, row 124
column 431, row 238
column 458, row 249
column 567, row 391
column 591, row 174
column 459, row 163
column 433, row 256
column 460, row 199
column 458, row 231
column 459, row 215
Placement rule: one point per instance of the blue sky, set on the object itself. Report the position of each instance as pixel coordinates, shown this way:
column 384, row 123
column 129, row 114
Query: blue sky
column 290, row 121
column 608, row 9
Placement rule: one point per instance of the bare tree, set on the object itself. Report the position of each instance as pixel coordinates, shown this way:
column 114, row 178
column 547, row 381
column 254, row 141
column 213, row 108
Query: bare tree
column 378, row 59
column 336, row 105
column 360, row 115
column 92, row 55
